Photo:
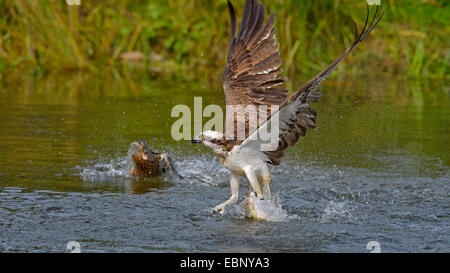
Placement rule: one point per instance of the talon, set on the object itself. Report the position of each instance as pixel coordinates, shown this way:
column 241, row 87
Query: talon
column 214, row 212
column 217, row 211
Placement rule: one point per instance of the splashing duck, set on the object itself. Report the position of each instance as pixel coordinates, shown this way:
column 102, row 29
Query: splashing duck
column 148, row 162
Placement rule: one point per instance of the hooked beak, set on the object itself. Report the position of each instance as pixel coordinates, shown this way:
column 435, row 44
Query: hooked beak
column 195, row 141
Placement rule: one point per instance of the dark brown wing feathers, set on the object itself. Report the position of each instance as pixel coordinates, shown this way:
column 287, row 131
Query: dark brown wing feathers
column 233, row 27
column 253, row 65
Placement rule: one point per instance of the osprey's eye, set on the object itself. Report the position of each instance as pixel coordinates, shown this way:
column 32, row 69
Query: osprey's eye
column 203, row 137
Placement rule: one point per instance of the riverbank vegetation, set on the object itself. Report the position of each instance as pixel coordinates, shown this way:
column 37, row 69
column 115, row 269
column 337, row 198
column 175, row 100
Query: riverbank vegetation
column 190, row 38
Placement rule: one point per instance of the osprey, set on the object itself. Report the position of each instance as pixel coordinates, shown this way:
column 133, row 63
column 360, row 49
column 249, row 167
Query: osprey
column 251, row 78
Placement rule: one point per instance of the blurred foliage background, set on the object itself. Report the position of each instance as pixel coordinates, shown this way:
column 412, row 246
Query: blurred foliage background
column 190, row 38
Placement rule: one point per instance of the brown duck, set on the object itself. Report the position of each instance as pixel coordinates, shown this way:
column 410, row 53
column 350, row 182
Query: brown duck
column 148, row 162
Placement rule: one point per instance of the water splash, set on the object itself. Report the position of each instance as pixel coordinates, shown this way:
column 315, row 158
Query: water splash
column 337, row 211
column 117, row 167
column 204, row 170
column 263, row 209
column 194, row 170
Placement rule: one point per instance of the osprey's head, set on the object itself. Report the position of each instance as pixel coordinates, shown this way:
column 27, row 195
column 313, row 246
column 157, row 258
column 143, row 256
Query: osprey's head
column 210, row 139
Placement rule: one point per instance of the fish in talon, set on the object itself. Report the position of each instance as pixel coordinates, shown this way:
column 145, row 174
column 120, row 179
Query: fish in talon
column 148, row 162
column 251, row 210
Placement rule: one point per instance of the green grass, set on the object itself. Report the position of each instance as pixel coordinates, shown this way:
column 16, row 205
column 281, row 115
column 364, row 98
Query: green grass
column 190, row 38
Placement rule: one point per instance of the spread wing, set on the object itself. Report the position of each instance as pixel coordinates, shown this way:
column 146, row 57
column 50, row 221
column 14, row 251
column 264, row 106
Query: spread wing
column 253, row 65
column 295, row 116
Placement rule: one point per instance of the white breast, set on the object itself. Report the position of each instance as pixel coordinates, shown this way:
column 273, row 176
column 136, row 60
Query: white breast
column 241, row 158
